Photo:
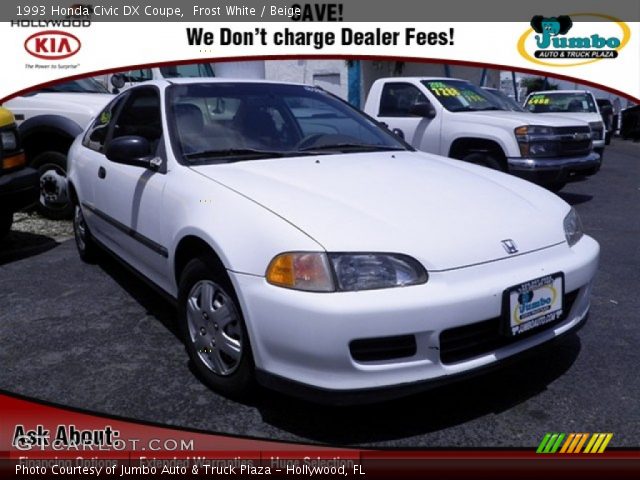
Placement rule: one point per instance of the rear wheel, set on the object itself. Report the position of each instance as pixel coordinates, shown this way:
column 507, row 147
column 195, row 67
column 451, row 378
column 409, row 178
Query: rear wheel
column 213, row 329
column 54, row 200
column 6, row 221
column 484, row 160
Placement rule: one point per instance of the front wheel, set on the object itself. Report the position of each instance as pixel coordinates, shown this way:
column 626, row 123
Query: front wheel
column 54, row 202
column 484, row 160
column 213, row 329
column 555, row 187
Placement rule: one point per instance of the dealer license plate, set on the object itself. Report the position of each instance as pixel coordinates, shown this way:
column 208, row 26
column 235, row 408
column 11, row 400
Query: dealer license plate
column 533, row 304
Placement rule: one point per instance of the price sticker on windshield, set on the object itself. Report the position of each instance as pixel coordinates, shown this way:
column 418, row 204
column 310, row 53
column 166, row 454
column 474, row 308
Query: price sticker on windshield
column 442, row 90
column 539, row 100
column 473, row 97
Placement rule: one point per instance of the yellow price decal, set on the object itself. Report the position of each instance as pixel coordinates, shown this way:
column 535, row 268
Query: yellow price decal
column 539, row 100
column 441, row 90
column 472, row 96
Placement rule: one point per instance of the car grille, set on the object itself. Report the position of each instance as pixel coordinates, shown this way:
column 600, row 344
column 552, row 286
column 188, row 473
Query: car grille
column 571, row 147
column 462, row 343
column 383, row 348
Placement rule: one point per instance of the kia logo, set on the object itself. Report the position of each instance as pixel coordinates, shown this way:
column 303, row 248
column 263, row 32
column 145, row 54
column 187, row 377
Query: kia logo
column 52, row 45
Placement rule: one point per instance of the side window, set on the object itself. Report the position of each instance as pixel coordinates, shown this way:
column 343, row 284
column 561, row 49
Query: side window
column 97, row 133
column 398, row 98
column 141, row 116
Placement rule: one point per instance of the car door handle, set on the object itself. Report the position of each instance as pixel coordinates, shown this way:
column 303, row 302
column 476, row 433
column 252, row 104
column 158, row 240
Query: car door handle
column 102, row 172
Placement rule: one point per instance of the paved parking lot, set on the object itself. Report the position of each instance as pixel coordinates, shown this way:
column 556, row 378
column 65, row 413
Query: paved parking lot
column 94, row 337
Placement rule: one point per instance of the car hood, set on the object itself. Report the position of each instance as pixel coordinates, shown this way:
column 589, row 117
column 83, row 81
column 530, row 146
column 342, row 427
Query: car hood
column 443, row 212
column 517, row 119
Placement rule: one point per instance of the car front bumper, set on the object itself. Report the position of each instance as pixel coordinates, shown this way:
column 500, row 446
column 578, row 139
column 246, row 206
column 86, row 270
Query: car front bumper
column 550, row 170
column 18, row 189
column 304, row 338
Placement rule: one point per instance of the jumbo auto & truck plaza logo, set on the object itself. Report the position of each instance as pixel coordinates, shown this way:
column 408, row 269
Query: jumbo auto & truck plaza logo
column 563, row 41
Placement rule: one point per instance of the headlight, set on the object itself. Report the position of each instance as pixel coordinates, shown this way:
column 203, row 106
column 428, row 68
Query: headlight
column 320, row 272
column 597, row 130
column 527, row 131
column 368, row 271
column 572, row 227
column 8, row 140
column 536, row 141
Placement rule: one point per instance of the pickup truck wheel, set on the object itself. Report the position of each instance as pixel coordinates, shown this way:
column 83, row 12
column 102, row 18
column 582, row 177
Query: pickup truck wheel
column 555, row 187
column 484, row 160
column 54, row 200
column 87, row 248
column 213, row 329
column 6, row 220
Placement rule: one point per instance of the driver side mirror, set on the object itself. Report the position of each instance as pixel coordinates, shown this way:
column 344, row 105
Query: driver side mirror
column 132, row 150
column 423, row 109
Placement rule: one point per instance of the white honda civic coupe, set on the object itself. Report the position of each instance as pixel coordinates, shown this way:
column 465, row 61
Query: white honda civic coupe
column 310, row 250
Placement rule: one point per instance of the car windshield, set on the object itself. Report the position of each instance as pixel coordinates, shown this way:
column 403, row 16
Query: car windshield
column 561, row 102
column 507, row 102
column 220, row 122
column 462, row 96
column 83, row 85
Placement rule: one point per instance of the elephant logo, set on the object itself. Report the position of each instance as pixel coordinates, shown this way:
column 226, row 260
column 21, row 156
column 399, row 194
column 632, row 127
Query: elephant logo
column 549, row 27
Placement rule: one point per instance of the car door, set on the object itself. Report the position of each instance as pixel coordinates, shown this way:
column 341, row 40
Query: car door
column 128, row 199
column 90, row 158
column 396, row 101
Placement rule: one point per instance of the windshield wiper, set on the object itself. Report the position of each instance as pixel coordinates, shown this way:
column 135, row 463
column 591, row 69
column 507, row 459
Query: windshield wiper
column 350, row 147
column 245, row 153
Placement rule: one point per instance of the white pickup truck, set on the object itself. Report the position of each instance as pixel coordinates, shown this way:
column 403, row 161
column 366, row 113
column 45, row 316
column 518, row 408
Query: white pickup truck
column 49, row 119
column 457, row 119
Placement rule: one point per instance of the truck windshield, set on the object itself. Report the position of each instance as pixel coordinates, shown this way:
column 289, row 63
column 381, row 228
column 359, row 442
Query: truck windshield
column 507, row 102
column 83, row 85
column 462, row 96
column 563, row 102
column 220, row 122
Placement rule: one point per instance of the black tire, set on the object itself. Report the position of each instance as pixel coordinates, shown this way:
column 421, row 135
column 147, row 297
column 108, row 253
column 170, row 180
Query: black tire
column 239, row 381
column 484, row 160
column 555, row 187
column 6, row 221
column 88, row 250
column 57, row 162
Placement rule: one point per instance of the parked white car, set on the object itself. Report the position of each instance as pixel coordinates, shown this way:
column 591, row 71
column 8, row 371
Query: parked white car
column 578, row 104
column 314, row 251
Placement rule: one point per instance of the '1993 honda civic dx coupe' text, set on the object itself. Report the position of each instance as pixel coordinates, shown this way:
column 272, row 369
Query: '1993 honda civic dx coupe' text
column 310, row 249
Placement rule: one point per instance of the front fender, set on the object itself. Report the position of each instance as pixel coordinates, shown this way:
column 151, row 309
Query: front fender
column 50, row 124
